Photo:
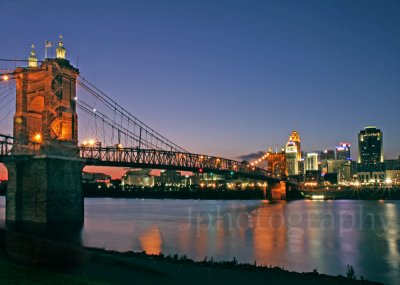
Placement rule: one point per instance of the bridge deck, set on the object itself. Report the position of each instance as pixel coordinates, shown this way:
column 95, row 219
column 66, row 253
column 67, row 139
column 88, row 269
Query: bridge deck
column 143, row 158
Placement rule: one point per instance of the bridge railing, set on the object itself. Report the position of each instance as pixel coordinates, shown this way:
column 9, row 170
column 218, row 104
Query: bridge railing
column 12, row 146
column 161, row 158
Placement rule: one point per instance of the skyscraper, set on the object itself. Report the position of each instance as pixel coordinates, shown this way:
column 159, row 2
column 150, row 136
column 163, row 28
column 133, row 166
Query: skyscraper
column 293, row 154
column 291, row 159
column 370, row 155
column 295, row 138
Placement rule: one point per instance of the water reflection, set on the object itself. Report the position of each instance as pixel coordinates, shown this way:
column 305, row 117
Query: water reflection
column 151, row 240
column 300, row 235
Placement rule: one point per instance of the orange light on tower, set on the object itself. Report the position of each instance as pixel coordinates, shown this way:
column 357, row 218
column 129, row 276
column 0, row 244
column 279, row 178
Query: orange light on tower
column 38, row 138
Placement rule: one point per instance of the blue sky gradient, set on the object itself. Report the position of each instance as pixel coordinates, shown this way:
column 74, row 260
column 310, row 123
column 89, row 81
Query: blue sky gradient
column 231, row 77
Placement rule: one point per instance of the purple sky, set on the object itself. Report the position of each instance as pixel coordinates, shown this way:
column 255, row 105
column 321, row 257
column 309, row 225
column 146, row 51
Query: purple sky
column 231, row 77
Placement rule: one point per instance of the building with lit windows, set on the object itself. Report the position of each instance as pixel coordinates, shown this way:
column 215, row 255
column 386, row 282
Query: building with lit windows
column 343, row 151
column 370, row 162
column 312, row 161
column 138, row 177
column 392, row 173
column 295, row 138
column 292, row 163
column 328, row 154
column 293, row 154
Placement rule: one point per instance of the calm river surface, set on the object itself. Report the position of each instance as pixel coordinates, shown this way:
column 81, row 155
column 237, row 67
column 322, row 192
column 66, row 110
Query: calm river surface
column 298, row 235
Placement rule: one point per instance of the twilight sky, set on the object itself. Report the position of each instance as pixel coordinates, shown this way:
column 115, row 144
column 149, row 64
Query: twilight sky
column 230, row 77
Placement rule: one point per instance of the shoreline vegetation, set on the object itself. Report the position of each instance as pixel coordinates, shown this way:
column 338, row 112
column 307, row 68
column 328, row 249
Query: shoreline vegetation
column 98, row 266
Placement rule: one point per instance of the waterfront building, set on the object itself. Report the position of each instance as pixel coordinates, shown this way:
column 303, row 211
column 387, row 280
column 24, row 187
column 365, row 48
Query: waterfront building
column 343, row 168
column 138, row 177
column 312, row 178
column 392, row 172
column 169, row 178
column 371, row 168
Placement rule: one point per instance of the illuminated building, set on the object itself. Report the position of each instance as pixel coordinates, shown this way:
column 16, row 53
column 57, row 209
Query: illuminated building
column 138, row 177
column 343, row 151
column 312, row 178
column 312, row 161
column 295, row 138
column 169, row 178
column 370, row 160
column 392, row 167
column 292, row 163
column 293, row 154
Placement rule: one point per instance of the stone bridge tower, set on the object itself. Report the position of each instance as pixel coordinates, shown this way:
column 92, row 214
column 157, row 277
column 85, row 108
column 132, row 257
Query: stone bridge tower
column 46, row 188
column 276, row 163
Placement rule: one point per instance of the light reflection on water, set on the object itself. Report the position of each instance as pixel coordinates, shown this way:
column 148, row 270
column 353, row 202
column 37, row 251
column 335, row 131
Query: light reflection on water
column 299, row 235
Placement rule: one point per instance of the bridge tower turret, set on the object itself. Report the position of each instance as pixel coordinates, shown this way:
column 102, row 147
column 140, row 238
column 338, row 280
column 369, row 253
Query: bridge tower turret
column 46, row 188
column 45, row 102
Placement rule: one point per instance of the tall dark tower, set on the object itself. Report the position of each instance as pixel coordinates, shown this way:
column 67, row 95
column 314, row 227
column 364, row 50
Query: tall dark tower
column 370, row 155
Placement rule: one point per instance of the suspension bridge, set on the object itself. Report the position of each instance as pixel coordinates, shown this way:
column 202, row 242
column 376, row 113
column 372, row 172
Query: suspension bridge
column 45, row 153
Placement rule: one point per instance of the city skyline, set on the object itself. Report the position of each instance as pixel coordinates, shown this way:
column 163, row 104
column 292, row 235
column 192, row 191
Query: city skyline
column 228, row 141
column 207, row 73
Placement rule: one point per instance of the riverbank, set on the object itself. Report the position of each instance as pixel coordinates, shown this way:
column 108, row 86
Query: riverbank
column 113, row 268
column 355, row 194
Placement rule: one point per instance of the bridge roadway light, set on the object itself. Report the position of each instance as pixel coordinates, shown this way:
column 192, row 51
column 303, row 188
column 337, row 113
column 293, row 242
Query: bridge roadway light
column 5, row 77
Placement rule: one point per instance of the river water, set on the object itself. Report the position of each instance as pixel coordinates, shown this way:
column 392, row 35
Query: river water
column 300, row 235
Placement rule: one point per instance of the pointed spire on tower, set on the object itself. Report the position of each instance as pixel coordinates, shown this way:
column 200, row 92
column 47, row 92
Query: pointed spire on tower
column 60, row 51
column 32, row 60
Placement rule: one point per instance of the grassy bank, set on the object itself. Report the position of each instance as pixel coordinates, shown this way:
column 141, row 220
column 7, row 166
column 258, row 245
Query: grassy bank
column 11, row 273
column 107, row 267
